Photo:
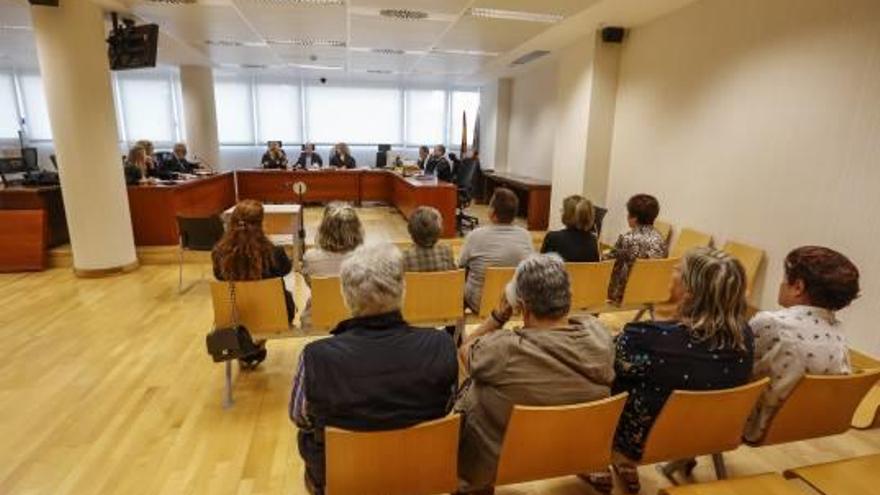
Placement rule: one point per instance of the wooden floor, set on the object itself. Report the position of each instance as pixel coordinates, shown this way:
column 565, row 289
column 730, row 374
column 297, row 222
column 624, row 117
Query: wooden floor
column 105, row 387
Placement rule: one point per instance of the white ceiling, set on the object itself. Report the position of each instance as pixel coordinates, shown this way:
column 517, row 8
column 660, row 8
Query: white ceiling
column 349, row 39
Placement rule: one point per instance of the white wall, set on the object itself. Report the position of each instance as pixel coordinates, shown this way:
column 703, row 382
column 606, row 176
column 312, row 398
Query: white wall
column 759, row 121
column 494, row 124
column 533, row 121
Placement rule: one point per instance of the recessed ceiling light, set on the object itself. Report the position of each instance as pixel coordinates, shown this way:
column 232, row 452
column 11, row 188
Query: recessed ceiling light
column 173, row 2
column 308, row 42
column 317, row 67
column 387, row 51
column 12, row 27
column 249, row 44
column 475, row 53
column 515, row 15
column 404, row 14
column 528, row 57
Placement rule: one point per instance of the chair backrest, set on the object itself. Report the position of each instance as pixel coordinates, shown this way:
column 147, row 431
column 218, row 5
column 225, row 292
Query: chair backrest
column 589, row 284
column 493, row 286
column 687, row 240
column 700, row 423
column 199, row 233
column 649, row 281
column 547, row 442
column 598, row 217
column 464, row 175
column 420, row 460
column 260, row 303
column 750, row 258
column 434, row 297
column 819, row 406
column 665, row 230
column 328, row 307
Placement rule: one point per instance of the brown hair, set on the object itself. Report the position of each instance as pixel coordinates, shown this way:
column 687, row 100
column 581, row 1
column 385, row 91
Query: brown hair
column 341, row 230
column 244, row 252
column 715, row 307
column 577, row 212
column 424, row 226
column 134, row 156
column 830, row 279
column 644, row 208
column 505, row 204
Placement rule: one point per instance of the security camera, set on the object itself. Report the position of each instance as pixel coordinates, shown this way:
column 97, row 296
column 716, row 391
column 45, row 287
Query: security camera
column 323, row 80
column 313, row 58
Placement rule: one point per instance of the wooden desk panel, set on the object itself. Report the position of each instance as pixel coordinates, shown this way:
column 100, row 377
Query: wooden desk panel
column 23, row 240
column 276, row 186
column 534, row 196
column 409, row 194
column 376, row 185
column 154, row 208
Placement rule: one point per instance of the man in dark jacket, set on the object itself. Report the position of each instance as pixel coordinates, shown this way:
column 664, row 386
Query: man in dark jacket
column 438, row 165
column 376, row 372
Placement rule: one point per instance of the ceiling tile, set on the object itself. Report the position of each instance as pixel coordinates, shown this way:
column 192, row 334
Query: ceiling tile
column 296, row 21
column 379, row 32
column 429, row 6
column 561, row 7
column 489, row 35
column 197, row 23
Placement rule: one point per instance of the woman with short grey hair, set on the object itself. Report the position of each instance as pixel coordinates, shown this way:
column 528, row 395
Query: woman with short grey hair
column 552, row 360
column 372, row 280
column 427, row 255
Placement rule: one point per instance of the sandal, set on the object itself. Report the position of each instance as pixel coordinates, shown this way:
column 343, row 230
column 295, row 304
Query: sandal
column 629, row 475
column 602, row 481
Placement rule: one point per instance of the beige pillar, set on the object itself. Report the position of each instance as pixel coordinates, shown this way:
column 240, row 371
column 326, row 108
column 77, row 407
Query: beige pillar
column 200, row 114
column 495, row 99
column 587, row 94
column 76, row 80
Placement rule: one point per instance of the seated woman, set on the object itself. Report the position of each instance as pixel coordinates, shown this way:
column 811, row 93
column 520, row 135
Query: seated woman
column 552, row 360
column 137, row 166
column 245, row 253
column 641, row 242
column 274, row 157
column 576, row 242
column 425, row 225
column 339, row 234
column 375, row 372
column 805, row 337
column 708, row 346
column 341, row 157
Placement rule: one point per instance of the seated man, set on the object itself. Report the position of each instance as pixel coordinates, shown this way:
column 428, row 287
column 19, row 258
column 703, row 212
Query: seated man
column 402, row 375
column 498, row 244
column 176, row 162
column 308, row 158
column 804, row 337
column 550, row 361
column 438, row 165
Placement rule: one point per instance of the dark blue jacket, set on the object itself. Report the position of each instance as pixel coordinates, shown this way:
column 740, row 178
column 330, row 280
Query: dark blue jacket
column 375, row 373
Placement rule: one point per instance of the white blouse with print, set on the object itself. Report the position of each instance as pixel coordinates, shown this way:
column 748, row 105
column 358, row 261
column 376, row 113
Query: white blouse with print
column 790, row 343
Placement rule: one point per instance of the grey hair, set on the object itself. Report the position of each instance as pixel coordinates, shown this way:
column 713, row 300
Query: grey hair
column 424, row 226
column 372, row 280
column 543, row 286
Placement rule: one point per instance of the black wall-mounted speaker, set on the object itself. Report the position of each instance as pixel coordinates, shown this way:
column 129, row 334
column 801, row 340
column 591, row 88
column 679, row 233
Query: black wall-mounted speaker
column 47, row 3
column 613, row 34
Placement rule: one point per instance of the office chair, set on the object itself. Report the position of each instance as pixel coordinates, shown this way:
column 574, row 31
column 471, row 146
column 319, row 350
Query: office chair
column 599, row 215
column 464, row 178
column 196, row 234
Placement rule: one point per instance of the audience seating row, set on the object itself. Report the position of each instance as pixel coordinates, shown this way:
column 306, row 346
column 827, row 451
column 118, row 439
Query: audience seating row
column 548, row 442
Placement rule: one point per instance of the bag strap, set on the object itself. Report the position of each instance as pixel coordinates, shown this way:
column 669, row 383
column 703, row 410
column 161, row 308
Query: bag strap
column 234, row 303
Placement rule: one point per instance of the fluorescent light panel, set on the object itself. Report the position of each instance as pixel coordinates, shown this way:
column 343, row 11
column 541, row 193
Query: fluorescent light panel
column 515, row 15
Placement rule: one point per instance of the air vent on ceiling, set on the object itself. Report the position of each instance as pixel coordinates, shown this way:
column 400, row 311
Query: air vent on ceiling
column 333, row 3
column 404, row 14
column 173, row 2
column 308, row 42
column 254, row 66
column 515, row 15
column 380, row 71
column 530, row 57
column 387, row 51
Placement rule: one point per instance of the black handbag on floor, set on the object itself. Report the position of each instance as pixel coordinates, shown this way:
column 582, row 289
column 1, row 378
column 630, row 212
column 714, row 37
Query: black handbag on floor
column 232, row 342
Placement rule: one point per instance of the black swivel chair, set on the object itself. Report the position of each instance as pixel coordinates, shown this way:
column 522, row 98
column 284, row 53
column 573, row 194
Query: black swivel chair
column 464, row 178
column 196, row 234
column 598, row 215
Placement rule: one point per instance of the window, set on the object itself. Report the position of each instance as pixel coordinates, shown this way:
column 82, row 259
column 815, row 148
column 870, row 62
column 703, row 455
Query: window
column 147, row 109
column 235, row 117
column 279, row 116
column 8, row 108
column 464, row 101
column 35, row 110
column 354, row 115
column 425, row 116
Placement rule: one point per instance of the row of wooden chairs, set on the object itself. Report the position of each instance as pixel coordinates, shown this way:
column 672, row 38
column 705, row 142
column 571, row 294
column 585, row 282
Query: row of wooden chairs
column 548, row 442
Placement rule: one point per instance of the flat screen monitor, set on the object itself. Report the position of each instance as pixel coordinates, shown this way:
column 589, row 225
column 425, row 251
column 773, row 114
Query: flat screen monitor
column 29, row 156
